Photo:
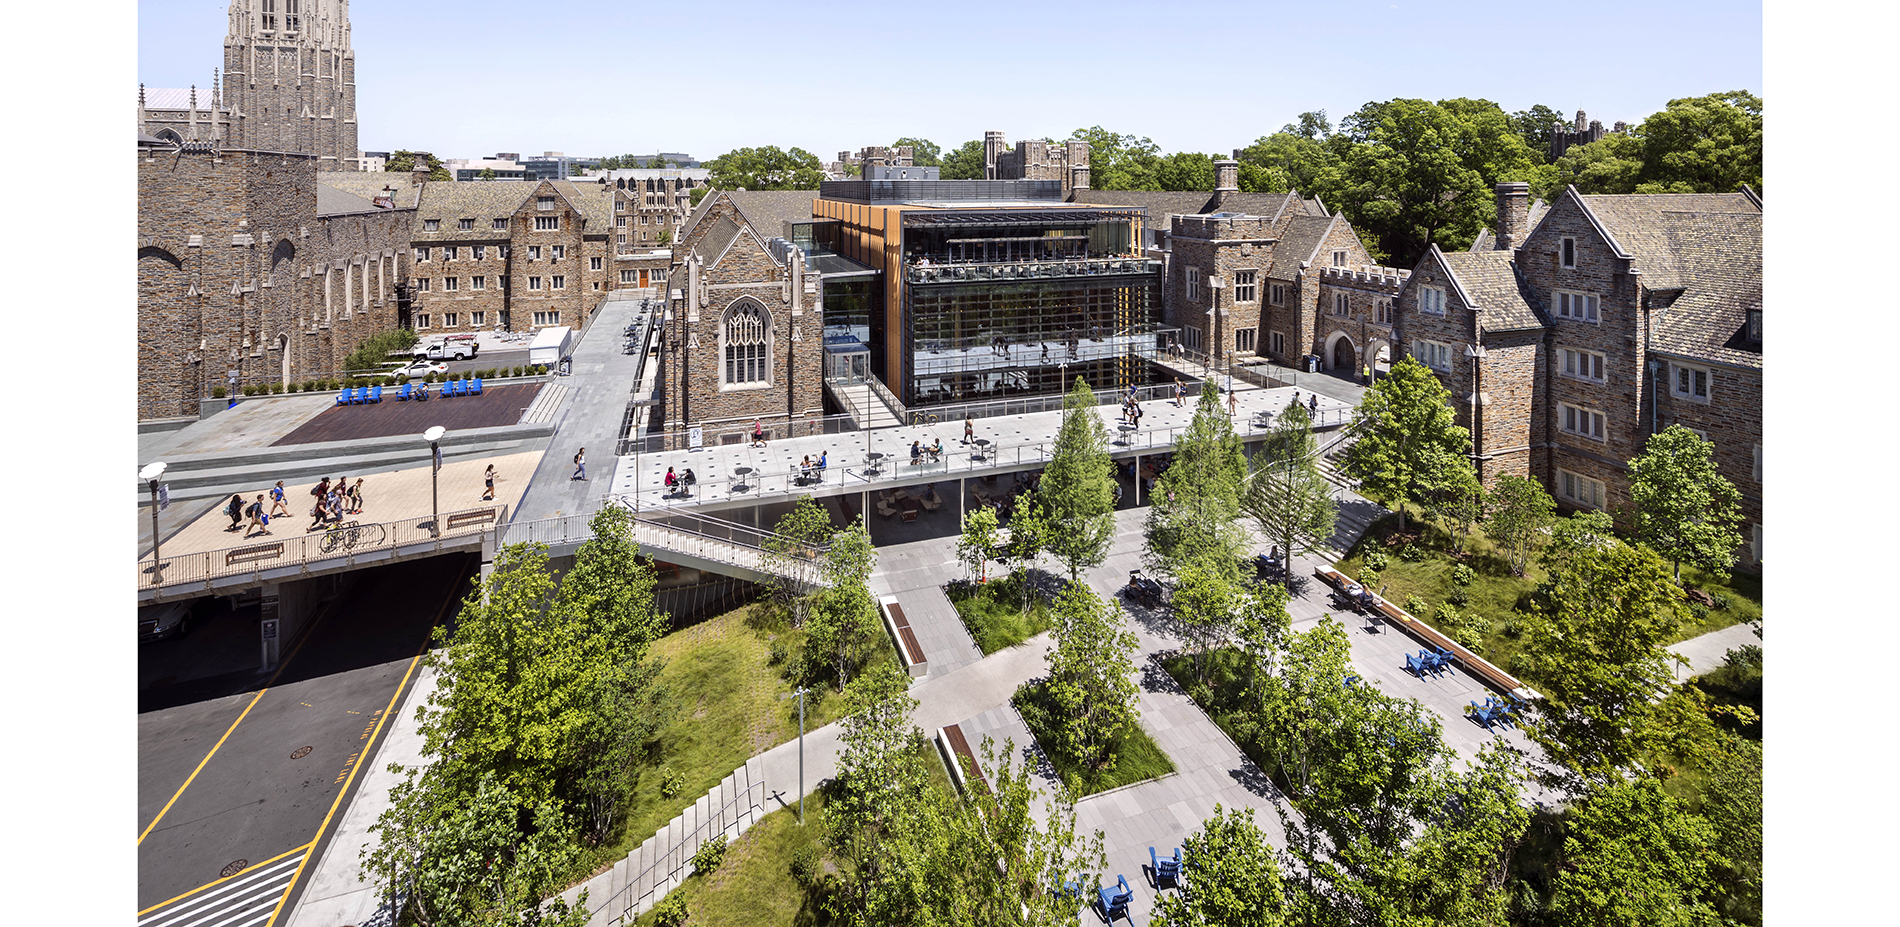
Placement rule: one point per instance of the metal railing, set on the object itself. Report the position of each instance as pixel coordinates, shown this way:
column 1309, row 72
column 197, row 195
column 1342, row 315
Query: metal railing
column 643, row 886
column 954, row 271
column 683, row 532
column 344, row 541
column 991, row 408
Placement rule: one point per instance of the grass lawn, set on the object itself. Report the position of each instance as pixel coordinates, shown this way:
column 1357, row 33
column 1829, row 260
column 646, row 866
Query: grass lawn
column 1495, row 596
column 993, row 614
column 1137, row 757
column 754, row 884
column 1223, row 691
column 726, row 687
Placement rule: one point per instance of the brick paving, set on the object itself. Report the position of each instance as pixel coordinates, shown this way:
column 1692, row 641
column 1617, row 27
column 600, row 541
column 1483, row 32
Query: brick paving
column 497, row 405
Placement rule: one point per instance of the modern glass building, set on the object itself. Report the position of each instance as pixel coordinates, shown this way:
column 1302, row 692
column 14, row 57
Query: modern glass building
column 993, row 289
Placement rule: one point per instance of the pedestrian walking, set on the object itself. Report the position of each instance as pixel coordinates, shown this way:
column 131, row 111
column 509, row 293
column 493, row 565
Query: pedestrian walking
column 322, row 488
column 235, row 509
column 1312, row 404
column 278, row 505
column 1233, row 403
column 258, row 520
column 318, row 514
column 488, row 483
column 580, row 465
column 969, row 428
column 333, row 503
column 1180, row 393
column 356, row 496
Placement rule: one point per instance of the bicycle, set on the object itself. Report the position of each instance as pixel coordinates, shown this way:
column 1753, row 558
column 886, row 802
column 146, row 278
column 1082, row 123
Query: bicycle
column 350, row 535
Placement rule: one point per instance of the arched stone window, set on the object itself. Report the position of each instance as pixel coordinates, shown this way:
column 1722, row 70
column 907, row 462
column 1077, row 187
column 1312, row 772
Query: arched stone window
column 746, row 342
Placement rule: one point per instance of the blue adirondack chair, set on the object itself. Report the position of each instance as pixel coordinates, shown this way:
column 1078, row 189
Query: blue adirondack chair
column 1166, row 868
column 1414, row 665
column 461, row 387
column 1486, row 716
column 477, row 388
column 407, row 389
column 376, row 393
column 343, row 398
column 1115, row 900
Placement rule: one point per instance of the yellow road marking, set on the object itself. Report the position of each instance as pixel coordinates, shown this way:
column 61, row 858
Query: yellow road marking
column 382, row 716
column 228, row 878
column 247, row 710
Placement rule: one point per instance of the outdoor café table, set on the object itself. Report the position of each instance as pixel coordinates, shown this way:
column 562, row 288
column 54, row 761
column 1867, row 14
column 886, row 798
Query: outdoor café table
column 740, row 473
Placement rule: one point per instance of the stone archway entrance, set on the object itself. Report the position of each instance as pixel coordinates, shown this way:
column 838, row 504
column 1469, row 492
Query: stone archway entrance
column 1341, row 355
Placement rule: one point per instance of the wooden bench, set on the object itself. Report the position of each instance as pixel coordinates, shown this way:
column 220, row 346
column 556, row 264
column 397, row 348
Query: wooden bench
column 954, row 744
column 464, row 519
column 909, row 651
column 253, row 553
column 1478, row 667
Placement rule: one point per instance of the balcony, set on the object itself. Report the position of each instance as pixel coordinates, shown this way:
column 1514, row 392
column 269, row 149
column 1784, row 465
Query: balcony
column 975, row 271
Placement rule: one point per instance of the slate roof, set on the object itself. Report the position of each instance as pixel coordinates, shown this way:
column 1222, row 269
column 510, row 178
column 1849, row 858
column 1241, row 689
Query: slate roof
column 331, row 202
column 1487, row 239
column 370, row 184
column 718, row 236
column 1716, row 258
column 1490, row 280
column 698, row 213
column 768, row 210
column 594, row 200
column 176, row 98
column 1638, row 227
column 1299, row 242
column 483, row 202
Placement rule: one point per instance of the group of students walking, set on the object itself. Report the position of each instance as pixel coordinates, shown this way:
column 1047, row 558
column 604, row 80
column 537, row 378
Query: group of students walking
column 333, row 501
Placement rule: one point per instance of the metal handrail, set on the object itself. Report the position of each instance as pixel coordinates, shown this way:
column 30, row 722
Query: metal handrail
column 563, row 529
column 344, row 541
column 680, row 856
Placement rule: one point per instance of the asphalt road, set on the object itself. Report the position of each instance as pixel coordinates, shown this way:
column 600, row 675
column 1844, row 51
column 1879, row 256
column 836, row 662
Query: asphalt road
column 237, row 769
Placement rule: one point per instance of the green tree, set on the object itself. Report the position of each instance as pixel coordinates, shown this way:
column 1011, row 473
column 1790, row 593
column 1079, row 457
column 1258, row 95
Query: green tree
column 1582, row 531
column 792, row 556
column 1288, row 498
column 1182, row 170
column 466, row 861
column 1077, row 487
column 1287, row 161
column 1410, row 446
column 1685, row 508
column 1120, row 162
column 766, row 168
column 1206, row 605
column 880, row 779
column 609, row 592
column 1195, row 512
column 1421, row 173
column 1310, row 125
column 488, row 173
column 664, row 239
column 372, row 352
column 1517, row 512
column 1594, row 647
column 1235, row 880
column 842, row 626
column 976, row 547
column 1707, row 144
column 1459, row 503
column 965, row 162
column 925, row 152
column 403, row 162
column 1030, row 531
column 1091, row 684
column 1611, row 164
column 1533, row 126
column 1732, row 805
column 1633, row 856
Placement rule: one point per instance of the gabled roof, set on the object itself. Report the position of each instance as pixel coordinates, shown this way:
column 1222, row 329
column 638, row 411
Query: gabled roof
column 1489, row 281
column 1300, row 242
column 719, row 236
column 1487, row 239
column 768, row 210
column 370, row 184
column 1637, row 226
column 1716, row 261
column 176, row 98
column 595, row 202
column 482, row 202
column 699, row 212
column 331, row 202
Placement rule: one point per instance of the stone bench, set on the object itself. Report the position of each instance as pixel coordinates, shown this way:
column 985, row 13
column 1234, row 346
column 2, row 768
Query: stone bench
column 909, row 651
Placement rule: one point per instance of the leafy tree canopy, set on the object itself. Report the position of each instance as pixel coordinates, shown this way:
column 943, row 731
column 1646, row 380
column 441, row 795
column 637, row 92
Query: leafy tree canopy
column 1121, row 162
column 1077, row 487
column 925, row 152
column 404, row 161
column 965, row 162
column 1707, row 144
column 1634, row 856
column 1411, row 446
column 766, row 168
column 1685, row 509
column 1534, row 126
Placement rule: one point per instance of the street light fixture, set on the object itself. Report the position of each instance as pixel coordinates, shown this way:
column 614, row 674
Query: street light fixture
column 150, row 475
column 801, row 750
column 434, row 436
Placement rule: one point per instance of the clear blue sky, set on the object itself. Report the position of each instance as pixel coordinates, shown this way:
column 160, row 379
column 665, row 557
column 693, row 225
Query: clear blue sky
column 476, row 77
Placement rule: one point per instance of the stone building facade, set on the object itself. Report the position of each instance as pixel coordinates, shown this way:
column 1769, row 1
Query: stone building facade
column 1036, row 159
column 1572, row 342
column 509, row 255
column 649, row 209
column 745, row 338
column 288, row 84
column 1284, row 285
column 248, row 270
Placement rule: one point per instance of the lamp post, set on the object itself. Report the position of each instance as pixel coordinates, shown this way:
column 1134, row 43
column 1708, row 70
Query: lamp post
column 801, row 750
column 434, row 436
column 150, row 475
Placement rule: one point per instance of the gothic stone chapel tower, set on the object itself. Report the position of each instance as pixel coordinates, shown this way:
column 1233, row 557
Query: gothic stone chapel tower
column 290, row 79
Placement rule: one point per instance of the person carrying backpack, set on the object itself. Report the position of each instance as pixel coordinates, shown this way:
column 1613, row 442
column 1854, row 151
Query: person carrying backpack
column 235, row 509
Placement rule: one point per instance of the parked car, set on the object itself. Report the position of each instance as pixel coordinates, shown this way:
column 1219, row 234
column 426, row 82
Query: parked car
column 450, row 347
column 422, row 368
column 165, row 620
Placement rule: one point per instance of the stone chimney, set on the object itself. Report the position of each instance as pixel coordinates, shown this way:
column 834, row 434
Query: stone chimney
column 1226, row 181
column 1514, row 211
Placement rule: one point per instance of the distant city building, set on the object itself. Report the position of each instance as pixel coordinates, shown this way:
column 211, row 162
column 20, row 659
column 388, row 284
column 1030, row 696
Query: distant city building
column 1582, row 132
column 472, row 168
column 554, row 165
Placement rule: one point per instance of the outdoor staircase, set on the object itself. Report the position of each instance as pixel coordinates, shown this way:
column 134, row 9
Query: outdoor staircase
column 865, row 404
column 637, row 882
column 701, row 542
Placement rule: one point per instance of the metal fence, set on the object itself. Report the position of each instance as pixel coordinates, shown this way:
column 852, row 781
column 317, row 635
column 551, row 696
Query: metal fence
column 660, row 876
column 737, row 433
column 344, row 541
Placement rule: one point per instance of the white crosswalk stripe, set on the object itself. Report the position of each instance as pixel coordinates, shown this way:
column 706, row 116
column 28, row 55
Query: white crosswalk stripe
column 247, row 900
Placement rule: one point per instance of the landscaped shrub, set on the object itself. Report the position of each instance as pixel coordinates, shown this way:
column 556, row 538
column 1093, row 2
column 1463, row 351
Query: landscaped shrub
column 1459, row 595
column 276, row 389
column 217, row 392
column 709, row 855
column 1369, row 577
column 670, row 782
column 671, row 911
column 805, row 866
column 1417, row 607
column 1462, row 575
column 777, row 653
column 1375, row 560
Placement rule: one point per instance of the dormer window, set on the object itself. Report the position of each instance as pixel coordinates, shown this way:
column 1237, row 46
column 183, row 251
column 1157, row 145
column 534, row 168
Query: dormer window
column 1754, row 326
